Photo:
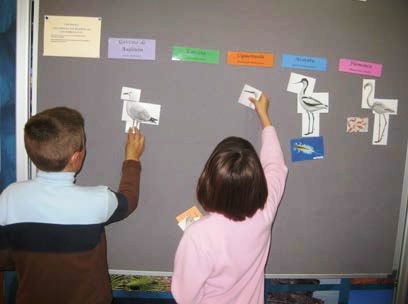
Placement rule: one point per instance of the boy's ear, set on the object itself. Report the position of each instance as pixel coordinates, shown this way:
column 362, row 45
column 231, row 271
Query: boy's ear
column 75, row 162
column 75, row 156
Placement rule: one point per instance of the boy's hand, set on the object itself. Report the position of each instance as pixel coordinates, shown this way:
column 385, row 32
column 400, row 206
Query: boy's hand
column 134, row 145
column 261, row 108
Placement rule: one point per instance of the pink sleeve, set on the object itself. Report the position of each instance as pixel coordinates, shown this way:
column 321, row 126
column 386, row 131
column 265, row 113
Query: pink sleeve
column 275, row 169
column 192, row 267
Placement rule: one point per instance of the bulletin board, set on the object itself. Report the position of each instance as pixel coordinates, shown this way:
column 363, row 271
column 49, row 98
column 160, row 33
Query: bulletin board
column 339, row 214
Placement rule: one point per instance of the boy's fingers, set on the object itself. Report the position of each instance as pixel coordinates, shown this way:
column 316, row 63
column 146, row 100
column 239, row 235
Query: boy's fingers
column 129, row 133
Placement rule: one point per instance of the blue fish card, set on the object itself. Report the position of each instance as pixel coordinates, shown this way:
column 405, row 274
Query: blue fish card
column 307, row 148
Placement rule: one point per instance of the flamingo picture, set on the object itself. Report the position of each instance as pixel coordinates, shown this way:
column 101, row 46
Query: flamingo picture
column 381, row 108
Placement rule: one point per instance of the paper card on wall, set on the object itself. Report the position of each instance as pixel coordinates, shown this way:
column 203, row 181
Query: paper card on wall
column 130, row 94
column 307, row 148
column 131, row 48
column 304, row 62
column 188, row 217
column 250, row 59
column 134, row 112
column 195, row 55
column 360, row 67
column 357, row 124
column 247, row 92
column 382, row 110
column 309, row 104
column 68, row 36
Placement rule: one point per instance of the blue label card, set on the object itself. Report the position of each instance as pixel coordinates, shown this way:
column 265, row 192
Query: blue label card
column 304, row 62
column 307, row 148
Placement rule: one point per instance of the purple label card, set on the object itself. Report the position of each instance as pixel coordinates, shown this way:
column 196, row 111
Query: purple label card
column 360, row 67
column 129, row 48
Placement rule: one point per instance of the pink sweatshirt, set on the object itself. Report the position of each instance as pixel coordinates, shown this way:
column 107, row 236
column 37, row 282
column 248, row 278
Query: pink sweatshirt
column 222, row 261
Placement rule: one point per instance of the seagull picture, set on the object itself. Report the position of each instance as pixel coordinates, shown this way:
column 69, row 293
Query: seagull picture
column 378, row 108
column 138, row 113
column 310, row 104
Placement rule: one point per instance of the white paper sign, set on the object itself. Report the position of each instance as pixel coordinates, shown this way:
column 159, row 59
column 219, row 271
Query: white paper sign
column 247, row 92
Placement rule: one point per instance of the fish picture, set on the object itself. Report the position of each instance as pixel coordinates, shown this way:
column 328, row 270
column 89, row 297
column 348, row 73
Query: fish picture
column 307, row 148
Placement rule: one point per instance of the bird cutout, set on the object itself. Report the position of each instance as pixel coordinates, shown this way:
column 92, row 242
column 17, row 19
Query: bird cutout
column 130, row 94
column 381, row 108
column 136, row 112
column 309, row 104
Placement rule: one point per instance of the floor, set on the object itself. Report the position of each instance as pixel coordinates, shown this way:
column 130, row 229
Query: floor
column 356, row 297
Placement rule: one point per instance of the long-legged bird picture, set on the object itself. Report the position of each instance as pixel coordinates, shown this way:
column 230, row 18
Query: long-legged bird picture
column 309, row 104
column 381, row 108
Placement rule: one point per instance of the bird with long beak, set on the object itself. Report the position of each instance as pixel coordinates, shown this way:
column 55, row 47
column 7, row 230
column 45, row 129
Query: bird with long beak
column 310, row 104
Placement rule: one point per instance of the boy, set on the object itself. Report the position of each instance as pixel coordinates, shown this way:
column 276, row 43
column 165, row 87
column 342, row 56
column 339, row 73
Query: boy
column 51, row 230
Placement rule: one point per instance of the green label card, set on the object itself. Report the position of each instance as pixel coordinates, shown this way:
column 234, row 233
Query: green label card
column 195, row 55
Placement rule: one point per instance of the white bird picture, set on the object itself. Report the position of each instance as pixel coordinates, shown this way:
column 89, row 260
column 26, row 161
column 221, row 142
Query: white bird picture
column 135, row 112
column 139, row 113
column 381, row 108
column 130, row 94
column 309, row 103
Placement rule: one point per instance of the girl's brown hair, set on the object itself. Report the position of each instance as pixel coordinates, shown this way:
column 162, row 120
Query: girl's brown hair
column 233, row 182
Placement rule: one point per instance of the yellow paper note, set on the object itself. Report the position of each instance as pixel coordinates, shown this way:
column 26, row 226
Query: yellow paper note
column 68, row 36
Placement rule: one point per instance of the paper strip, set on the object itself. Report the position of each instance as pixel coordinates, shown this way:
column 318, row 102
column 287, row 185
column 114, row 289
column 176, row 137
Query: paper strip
column 250, row 59
column 360, row 67
column 195, row 55
column 304, row 62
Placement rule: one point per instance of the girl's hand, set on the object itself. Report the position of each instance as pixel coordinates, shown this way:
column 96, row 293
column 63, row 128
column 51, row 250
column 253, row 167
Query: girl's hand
column 261, row 108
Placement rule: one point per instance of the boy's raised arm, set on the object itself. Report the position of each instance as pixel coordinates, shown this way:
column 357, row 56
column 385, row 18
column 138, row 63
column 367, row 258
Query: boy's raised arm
column 128, row 191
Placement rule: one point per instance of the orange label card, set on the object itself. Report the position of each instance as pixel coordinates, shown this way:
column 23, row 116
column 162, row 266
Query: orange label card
column 188, row 217
column 250, row 59
column 192, row 213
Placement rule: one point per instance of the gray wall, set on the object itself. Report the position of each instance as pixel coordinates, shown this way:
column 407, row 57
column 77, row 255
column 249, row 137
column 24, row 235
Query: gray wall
column 338, row 215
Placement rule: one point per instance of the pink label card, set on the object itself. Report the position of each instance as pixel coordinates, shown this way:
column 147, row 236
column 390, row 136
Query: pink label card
column 360, row 67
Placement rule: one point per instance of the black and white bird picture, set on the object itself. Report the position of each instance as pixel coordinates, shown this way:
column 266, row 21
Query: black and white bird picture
column 138, row 113
column 310, row 104
column 381, row 108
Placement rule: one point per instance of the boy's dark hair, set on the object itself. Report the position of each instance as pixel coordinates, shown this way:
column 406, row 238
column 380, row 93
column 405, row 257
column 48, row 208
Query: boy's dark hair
column 52, row 136
column 233, row 182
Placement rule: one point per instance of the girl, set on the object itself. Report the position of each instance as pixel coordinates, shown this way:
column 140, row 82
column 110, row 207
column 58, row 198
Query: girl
column 221, row 258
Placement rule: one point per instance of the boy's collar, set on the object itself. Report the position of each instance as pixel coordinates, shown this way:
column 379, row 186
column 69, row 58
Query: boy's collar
column 65, row 177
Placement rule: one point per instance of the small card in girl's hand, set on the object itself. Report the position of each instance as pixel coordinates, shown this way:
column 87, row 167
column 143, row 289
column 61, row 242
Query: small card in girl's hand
column 247, row 92
column 188, row 217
